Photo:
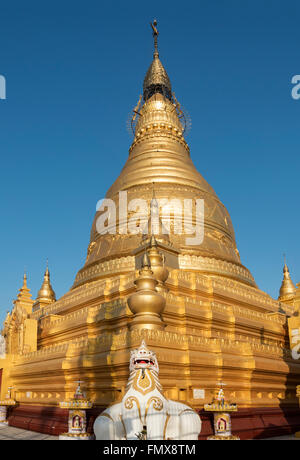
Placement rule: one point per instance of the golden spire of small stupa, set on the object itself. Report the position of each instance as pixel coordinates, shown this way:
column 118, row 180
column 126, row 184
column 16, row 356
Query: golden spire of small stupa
column 288, row 289
column 46, row 294
column 24, row 298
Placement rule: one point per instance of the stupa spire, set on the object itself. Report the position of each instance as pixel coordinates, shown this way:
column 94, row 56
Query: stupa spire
column 155, row 36
column 25, row 281
column 156, row 80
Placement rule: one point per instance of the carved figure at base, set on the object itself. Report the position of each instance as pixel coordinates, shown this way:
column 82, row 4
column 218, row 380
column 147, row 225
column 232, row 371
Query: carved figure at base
column 77, row 417
column 222, row 420
column 144, row 412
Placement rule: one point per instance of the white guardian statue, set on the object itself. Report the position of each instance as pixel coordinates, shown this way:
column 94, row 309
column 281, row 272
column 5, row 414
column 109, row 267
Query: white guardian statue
column 144, row 412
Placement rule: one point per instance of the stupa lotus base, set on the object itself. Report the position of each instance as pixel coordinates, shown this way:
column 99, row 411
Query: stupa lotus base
column 76, row 437
column 3, row 423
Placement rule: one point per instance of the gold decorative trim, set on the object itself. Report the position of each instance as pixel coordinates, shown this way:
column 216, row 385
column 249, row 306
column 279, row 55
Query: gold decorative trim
column 129, row 405
column 165, row 427
column 158, row 405
column 124, row 427
column 140, row 382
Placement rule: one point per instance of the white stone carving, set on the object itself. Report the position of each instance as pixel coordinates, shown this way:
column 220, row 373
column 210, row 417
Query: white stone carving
column 144, row 412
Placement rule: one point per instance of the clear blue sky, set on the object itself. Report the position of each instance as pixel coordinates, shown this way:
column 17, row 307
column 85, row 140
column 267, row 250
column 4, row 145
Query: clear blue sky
column 74, row 71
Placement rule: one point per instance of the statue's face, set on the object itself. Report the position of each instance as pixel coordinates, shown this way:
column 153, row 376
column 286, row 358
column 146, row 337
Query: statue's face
column 143, row 358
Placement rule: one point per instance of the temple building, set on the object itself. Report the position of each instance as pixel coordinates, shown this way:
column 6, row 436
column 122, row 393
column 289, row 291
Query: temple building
column 196, row 305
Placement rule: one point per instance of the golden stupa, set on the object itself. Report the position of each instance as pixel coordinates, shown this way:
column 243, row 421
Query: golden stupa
column 196, row 306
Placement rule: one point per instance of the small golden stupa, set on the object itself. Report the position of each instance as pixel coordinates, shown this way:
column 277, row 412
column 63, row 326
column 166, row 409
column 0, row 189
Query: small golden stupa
column 46, row 295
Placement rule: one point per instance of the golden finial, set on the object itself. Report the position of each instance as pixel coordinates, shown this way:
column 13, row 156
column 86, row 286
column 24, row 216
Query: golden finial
column 156, row 79
column 285, row 267
column 46, row 292
column 155, row 35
